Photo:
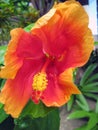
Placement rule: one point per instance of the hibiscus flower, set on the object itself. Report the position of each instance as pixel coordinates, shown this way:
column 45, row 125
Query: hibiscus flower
column 39, row 64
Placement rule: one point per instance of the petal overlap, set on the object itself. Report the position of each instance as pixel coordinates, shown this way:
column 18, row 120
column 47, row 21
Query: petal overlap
column 22, row 46
column 59, row 89
column 66, row 34
column 17, row 92
column 39, row 64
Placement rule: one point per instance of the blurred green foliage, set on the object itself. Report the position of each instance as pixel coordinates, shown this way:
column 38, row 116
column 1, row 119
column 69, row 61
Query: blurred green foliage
column 20, row 13
column 88, row 84
column 15, row 14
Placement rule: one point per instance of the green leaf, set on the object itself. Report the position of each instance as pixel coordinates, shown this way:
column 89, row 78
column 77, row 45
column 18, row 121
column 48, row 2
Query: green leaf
column 96, row 43
column 92, row 116
column 95, row 128
column 29, row 27
column 78, row 114
column 87, row 74
column 96, row 110
column 36, row 110
column 70, row 103
column 2, row 52
column 2, row 82
column 93, row 87
column 92, row 121
column 92, row 79
column 49, row 122
column 91, row 95
column 81, row 101
column 1, row 105
column 3, row 115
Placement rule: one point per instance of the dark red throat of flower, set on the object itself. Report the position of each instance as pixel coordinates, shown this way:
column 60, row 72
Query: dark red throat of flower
column 40, row 82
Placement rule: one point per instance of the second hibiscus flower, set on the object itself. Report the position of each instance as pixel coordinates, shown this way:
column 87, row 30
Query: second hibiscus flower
column 39, row 64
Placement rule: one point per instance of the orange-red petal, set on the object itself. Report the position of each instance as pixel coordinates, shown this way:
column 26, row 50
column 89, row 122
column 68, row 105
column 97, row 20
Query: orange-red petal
column 59, row 89
column 16, row 92
column 29, row 47
column 65, row 34
column 22, row 46
column 77, row 55
column 12, row 62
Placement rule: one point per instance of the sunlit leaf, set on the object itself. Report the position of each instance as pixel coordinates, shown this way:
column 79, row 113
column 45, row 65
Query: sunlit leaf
column 96, row 43
column 29, row 27
column 1, row 105
column 78, row 114
column 2, row 52
column 36, row 110
column 92, row 121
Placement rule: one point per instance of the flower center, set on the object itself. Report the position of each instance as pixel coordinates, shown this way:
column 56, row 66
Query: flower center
column 40, row 81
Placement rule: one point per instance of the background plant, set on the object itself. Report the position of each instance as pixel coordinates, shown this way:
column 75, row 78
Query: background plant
column 15, row 14
column 88, row 85
column 20, row 14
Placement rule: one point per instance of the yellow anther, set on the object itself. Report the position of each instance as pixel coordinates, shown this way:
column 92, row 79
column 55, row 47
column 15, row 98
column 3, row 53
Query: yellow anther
column 40, row 81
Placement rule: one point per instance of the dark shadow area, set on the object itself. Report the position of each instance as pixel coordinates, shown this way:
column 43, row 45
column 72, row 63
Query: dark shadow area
column 8, row 124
